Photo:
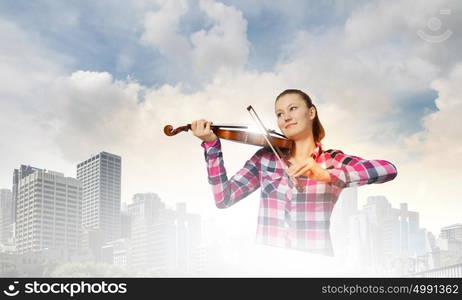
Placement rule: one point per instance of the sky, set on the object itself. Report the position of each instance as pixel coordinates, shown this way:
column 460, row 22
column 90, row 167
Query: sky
column 81, row 77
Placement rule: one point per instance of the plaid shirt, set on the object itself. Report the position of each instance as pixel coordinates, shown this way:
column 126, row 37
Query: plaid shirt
column 288, row 218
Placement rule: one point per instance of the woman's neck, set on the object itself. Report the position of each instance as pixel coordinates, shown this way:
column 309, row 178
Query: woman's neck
column 303, row 148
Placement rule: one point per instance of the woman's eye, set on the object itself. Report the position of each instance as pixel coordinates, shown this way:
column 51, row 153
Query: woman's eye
column 278, row 115
column 293, row 107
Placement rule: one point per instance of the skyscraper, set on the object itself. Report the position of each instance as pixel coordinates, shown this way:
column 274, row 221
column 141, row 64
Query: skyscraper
column 153, row 237
column 48, row 212
column 19, row 174
column 164, row 239
column 6, row 216
column 387, row 238
column 100, row 176
column 450, row 239
column 452, row 232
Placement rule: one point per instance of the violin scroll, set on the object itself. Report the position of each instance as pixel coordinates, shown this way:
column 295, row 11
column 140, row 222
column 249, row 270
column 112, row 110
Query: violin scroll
column 168, row 129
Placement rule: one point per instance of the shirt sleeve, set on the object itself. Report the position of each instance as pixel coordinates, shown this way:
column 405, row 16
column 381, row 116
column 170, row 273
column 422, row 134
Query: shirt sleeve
column 350, row 171
column 229, row 191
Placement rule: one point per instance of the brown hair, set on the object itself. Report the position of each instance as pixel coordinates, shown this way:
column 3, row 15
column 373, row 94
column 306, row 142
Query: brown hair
column 318, row 130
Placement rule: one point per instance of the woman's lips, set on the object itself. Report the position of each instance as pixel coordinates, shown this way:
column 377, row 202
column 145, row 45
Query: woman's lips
column 287, row 126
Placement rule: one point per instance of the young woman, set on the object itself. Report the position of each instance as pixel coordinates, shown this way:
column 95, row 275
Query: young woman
column 287, row 217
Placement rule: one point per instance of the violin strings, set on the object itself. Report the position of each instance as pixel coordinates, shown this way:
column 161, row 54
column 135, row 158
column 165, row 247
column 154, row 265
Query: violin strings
column 264, row 132
column 230, row 126
column 266, row 135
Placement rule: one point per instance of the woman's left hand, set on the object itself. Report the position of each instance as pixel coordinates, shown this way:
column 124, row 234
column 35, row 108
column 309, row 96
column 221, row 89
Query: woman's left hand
column 310, row 169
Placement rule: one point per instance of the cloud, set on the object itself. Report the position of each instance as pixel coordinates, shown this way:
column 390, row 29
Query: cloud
column 26, row 65
column 161, row 29
column 222, row 47
column 27, row 69
column 434, row 167
column 399, row 23
column 91, row 112
column 440, row 135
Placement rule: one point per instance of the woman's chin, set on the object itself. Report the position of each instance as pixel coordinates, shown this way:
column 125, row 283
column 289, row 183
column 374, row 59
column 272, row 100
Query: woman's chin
column 290, row 135
column 295, row 136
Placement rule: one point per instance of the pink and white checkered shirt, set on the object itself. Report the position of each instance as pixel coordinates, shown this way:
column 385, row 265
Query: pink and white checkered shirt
column 288, row 218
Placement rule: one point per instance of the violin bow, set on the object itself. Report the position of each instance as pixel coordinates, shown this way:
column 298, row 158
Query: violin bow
column 276, row 151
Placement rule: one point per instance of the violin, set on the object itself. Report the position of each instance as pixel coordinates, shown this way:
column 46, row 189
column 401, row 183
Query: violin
column 237, row 134
column 269, row 139
column 231, row 133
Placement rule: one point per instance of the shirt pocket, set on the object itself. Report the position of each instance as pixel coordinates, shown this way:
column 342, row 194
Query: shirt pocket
column 270, row 182
column 314, row 192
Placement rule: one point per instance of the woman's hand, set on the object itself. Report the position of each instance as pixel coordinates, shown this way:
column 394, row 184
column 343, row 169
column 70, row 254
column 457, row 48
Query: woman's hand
column 310, row 169
column 201, row 129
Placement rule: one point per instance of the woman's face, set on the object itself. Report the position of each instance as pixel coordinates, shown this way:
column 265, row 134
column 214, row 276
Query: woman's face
column 293, row 116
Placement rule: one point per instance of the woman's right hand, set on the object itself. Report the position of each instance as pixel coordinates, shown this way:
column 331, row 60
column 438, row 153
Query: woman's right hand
column 201, row 129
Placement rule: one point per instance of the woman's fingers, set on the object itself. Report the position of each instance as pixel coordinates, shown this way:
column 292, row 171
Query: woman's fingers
column 293, row 169
column 197, row 127
column 202, row 129
column 302, row 171
column 299, row 169
column 193, row 126
column 200, row 125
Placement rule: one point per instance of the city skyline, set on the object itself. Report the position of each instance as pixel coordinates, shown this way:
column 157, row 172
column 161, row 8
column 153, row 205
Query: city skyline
column 61, row 219
column 173, row 204
column 76, row 81
column 346, row 208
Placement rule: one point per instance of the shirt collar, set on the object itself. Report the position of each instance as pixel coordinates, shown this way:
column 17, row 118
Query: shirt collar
column 317, row 151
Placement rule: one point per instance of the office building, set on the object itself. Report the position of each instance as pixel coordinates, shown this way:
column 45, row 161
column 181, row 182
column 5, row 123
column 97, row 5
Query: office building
column 100, row 176
column 6, row 217
column 48, row 212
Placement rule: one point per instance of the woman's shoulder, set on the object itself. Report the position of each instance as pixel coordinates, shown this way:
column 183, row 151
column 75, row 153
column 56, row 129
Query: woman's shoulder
column 333, row 152
column 265, row 154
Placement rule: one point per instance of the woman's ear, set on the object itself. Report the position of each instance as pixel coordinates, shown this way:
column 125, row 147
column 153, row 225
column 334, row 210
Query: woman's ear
column 312, row 113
